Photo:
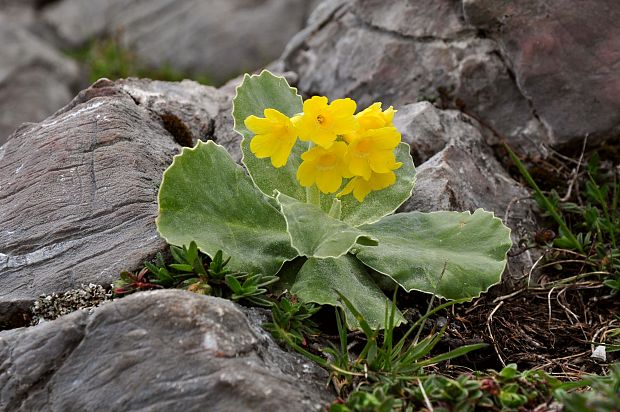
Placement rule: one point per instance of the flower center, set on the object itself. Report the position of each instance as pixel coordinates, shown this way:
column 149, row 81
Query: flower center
column 327, row 161
column 320, row 118
column 363, row 148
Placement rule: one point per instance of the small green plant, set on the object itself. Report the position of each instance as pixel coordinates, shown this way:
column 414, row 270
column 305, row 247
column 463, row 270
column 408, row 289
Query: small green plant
column 189, row 271
column 286, row 204
column 603, row 394
column 292, row 321
column 109, row 58
column 382, row 357
column 588, row 227
column 506, row 390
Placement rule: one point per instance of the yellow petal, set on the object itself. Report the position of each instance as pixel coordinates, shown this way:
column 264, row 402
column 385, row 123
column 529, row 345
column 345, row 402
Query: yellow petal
column 313, row 154
column 281, row 153
column 315, row 104
column 262, row 145
column 382, row 162
column 342, row 107
column 359, row 167
column 362, row 189
column 306, row 174
column 388, row 115
column 340, row 149
column 386, row 138
column 276, row 116
column 257, row 125
column 328, row 181
column 323, row 138
column 371, row 117
column 380, row 181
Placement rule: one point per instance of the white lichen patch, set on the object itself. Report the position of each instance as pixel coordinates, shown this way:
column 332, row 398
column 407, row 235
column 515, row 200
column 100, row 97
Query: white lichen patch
column 209, row 342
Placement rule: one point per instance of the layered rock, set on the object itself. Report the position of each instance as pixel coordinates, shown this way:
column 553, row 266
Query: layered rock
column 155, row 351
column 78, row 195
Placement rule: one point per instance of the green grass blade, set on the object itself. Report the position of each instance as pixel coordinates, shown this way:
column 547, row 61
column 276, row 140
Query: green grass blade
column 544, row 201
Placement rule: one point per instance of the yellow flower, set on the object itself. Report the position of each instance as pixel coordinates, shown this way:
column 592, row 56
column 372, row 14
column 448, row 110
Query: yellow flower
column 324, row 167
column 321, row 123
column 372, row 118
column 275, row 136
column 373, row 151
column 362, row 187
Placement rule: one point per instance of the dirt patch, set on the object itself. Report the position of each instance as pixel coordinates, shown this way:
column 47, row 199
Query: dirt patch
column 550, row 328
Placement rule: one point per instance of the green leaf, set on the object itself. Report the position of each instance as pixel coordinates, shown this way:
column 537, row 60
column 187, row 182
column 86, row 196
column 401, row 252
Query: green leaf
column 382, row 202
column 182, row 267
column 318, row 280
column 413, row 248
column 455, row 353
column 205, row 197
column 255, row 94
column 315, row 234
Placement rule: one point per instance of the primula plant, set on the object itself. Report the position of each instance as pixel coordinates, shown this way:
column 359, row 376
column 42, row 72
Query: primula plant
column 316, row 206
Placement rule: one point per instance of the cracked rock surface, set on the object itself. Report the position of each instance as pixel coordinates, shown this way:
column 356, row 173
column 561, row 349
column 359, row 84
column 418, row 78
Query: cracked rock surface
column 156, row 351
column 535, row 73
column 78, row 195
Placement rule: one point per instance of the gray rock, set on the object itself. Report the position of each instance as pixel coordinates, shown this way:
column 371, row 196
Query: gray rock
column 216, row 38
column 535, row 73
column 157, row 351
column 462, row 173
column 187, row 109
column 427, row 129
column 190, row 111
column 22, row 12
column 565, row 58
column 432, row 19
column 78, row 195
column 35, row 79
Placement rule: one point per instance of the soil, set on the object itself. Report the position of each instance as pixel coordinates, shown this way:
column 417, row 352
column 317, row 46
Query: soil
column 548, row 328
column 557, row 321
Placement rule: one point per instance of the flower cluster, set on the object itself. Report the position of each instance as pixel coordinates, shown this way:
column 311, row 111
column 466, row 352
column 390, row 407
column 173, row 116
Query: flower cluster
column 342, row 145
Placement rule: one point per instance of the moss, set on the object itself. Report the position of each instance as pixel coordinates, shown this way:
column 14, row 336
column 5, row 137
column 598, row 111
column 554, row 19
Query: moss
column 109, row 58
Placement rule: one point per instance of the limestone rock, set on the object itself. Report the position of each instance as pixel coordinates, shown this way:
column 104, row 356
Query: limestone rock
column 439, row 19
column 565, row 58
column 155, row 351
column 187, row 109
column 462, row 173
column 534, row 73
column 78, row 195
column 35, row 79
column 428, row 129
column 375, row 51
column 219, row 39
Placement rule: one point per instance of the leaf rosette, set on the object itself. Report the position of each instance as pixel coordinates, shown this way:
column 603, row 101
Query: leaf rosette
column 344, row 239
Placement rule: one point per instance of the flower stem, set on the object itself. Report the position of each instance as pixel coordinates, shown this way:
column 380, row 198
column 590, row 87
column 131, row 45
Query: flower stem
column 313, row 195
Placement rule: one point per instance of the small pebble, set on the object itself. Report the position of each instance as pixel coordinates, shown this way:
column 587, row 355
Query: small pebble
column 50, row 307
